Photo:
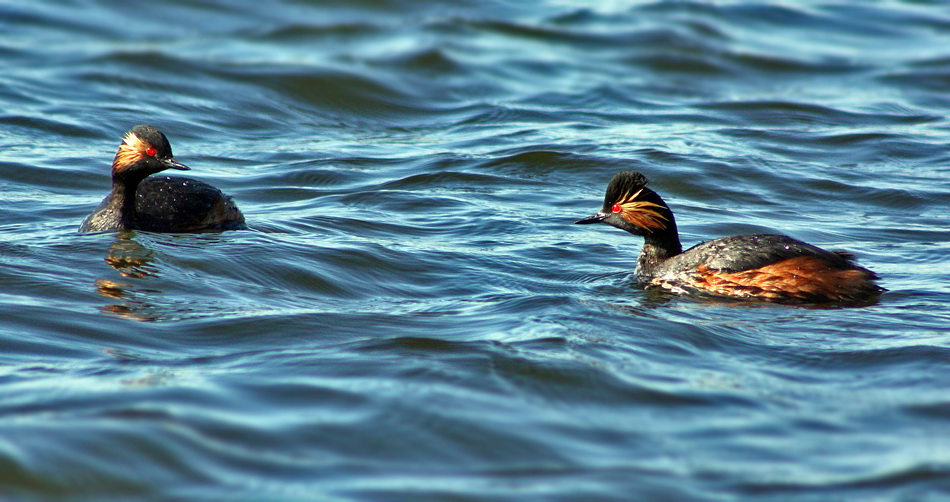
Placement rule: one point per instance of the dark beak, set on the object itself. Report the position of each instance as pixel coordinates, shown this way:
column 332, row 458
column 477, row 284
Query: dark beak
column 171, row 163
column 597, row 218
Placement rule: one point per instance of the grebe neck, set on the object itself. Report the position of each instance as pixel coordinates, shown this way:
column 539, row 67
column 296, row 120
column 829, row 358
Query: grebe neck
column 122, row 201
column 657, row 248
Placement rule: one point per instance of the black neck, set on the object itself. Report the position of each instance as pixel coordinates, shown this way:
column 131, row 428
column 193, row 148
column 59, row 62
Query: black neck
column 123, row 200
column 659, row 246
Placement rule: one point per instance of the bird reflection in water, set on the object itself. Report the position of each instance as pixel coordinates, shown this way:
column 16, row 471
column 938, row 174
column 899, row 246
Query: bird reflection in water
column 134, row 261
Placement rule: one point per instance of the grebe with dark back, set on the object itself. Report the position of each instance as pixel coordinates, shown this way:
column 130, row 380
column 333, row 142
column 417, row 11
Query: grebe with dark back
column 139, row 201
column 762, row 266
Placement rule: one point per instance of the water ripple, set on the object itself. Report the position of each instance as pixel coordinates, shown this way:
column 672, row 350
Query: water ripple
column 413, row 314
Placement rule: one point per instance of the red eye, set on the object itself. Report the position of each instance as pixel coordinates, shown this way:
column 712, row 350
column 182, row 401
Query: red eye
column 616, row 208
column 150, row 151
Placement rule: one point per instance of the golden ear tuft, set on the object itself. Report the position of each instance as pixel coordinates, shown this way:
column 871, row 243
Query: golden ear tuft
column 130, row 151
column 641, row 212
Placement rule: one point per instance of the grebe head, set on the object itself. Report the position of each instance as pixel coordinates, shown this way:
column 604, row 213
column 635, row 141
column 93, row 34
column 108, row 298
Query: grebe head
column 144, row 151
column 629, row 205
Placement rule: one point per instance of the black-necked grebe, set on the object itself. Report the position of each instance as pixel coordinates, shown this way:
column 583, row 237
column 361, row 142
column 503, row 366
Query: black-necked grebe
column 159, row 203
column 763, row 266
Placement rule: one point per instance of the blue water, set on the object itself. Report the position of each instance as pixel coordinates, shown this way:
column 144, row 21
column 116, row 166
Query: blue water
column 413, row 315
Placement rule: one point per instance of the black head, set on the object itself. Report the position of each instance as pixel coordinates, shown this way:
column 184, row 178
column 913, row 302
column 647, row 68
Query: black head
column 631, row 206
column 144, row 151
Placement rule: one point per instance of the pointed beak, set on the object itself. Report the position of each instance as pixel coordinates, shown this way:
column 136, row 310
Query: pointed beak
column 171, row 163
column 597, row 218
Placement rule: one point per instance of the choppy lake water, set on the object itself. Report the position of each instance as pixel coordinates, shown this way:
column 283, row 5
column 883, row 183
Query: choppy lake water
column 413, row 315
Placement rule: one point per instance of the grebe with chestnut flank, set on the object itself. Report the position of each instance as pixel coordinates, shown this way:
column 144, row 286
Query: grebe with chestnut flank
column 763, row 266
column 159, row 203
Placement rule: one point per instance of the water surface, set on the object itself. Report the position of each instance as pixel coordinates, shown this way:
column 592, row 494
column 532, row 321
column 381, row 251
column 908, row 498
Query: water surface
column 413, row 315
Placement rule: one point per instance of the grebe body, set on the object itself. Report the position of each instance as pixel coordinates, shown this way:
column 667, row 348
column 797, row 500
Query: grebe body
column 139, row 201
column 763, row 266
